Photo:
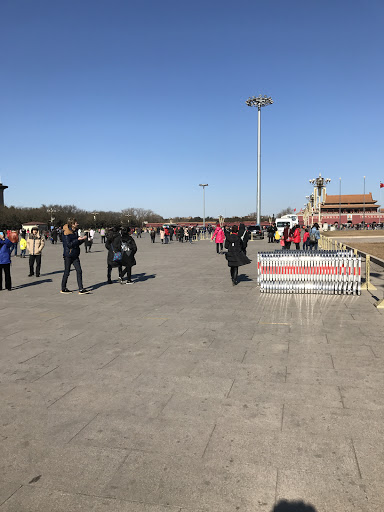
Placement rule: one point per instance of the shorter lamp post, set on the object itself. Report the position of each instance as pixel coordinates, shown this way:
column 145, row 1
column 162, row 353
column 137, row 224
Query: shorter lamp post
column 94, row 217
column 320, row 185
column 51, row 211
column 203, row 185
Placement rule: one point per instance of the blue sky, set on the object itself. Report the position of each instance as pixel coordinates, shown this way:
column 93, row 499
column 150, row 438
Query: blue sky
column 113, row 104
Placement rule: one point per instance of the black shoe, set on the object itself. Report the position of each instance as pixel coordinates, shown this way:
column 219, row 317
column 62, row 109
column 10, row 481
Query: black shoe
column 30, row 275
column 109, row 281
column 84, row 292
column 37, row 275
column 65, row 291
column 121, row 280
column 129, row 282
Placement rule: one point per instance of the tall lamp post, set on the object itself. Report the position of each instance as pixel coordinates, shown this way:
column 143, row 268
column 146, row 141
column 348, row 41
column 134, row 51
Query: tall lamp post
column 339, row 203
column 203, row 185
column 259, row 101
column 364, row 206
column 320, row 185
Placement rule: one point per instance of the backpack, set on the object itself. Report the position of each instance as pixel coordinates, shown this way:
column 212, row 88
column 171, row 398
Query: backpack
column 312, row 237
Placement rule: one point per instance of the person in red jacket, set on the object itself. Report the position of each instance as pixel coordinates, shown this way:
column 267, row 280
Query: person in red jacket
column 219, row 237
column 297, row 237
column 306, row 243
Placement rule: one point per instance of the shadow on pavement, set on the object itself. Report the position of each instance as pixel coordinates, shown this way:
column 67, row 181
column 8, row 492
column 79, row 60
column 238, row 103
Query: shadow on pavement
column 293, row 506
column 243, row 277
column 33, row 283
column 143, row 276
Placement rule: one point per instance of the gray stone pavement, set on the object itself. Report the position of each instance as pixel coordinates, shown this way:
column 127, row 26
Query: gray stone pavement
column 183, row 393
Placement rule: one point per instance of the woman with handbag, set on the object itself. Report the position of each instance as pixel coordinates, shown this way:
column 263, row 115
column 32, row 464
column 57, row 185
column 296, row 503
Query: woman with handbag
column 128, row 249
column 114, row 258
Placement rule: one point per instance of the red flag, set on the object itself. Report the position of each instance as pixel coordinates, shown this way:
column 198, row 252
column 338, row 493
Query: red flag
column 381, row 185
column 295, row 208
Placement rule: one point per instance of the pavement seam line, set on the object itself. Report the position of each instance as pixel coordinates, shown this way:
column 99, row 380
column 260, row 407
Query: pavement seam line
column 245, row 353
column 41, row 376
column 373, row 352
column 111, row 361
column 333, row 364
column 282, row 418
column 356, row 459
column 21, row 362
column 230, row 389
column 9, row 497
column 286, row 374
column 165, row 405
column 77, row 433
column 206, row 446
column 277, row 483
column 341, row 397
column 61, row 397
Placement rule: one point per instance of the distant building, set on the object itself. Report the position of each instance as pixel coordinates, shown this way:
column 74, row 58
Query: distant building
column 2, row 188
column 352, row 209
column 42, row 226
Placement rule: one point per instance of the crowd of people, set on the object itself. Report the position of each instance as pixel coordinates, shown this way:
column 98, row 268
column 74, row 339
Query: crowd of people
column 292, row 234
column 122, row 247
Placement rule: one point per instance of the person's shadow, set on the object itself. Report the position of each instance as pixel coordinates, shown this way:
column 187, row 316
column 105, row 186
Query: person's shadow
column 32, row 283
column 293, row 506
column 143, row 277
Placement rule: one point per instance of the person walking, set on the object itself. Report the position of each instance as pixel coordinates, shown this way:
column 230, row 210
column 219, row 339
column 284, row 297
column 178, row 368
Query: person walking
column 235, row 255
column 102, row 234
column 219, row 237
column 271, row 234
column 162, row 234
column 115, row 255
column 297, row 237
column 129, row 249
column 5, row 261
column 166, row 235
column 314, row 236
column 286, row 238
column 35, row 245
column 306, row 242
column 88, row 241
column 71, row 254
column 153, row 235
column 23, row 247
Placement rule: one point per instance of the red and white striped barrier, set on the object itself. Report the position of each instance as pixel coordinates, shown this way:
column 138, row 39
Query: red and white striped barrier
column 325, row 272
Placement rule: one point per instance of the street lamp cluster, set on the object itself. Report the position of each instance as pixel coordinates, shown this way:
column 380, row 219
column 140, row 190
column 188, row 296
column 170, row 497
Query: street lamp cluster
column 318, row 196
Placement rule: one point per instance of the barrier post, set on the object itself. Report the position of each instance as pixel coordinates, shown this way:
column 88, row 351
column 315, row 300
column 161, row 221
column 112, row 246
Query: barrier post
column 368, row 285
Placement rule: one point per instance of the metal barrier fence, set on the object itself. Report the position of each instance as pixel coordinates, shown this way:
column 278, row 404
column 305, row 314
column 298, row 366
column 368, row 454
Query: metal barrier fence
column 323, row 272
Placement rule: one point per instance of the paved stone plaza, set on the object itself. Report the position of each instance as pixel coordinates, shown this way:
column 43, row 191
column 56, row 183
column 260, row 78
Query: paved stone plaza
column 183, row 393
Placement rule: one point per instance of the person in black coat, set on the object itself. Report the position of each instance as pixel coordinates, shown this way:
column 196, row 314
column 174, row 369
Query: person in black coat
column 114, row 258
column 129, row 249
column 235, row 255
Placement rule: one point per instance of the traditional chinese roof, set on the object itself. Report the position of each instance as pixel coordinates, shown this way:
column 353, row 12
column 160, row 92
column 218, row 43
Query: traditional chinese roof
column 351, row 199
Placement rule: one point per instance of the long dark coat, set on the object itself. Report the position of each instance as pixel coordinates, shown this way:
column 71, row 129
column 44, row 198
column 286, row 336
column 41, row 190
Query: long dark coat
column 113, row 244
column 235, row 255
column 129, row 259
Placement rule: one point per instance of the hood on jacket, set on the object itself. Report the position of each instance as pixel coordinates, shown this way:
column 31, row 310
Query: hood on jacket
column 67, row 230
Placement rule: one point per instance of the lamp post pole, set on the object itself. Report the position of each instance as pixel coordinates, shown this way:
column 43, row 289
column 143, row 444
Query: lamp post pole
column 203, row 185
column 51, row 211
column 340, row 204
column 364, row 206
column 94, row 217
column 260, row 101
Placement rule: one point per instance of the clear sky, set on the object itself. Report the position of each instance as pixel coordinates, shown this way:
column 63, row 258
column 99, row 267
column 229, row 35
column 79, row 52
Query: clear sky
column 118, row 103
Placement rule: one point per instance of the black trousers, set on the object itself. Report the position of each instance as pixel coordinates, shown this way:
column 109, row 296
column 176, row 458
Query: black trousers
column 128, row 271
column 7, row 271
column 109, row 271
column 68, row 262
column 217, row 247
column 103, row 239
column 32, row 259
column 234, row 272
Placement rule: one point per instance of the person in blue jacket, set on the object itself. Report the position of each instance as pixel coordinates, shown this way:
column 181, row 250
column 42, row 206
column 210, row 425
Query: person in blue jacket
column 71, row 253
column 5, row 261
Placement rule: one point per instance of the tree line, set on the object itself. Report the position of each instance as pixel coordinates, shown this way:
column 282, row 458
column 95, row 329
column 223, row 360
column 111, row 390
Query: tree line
column 12, row 217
